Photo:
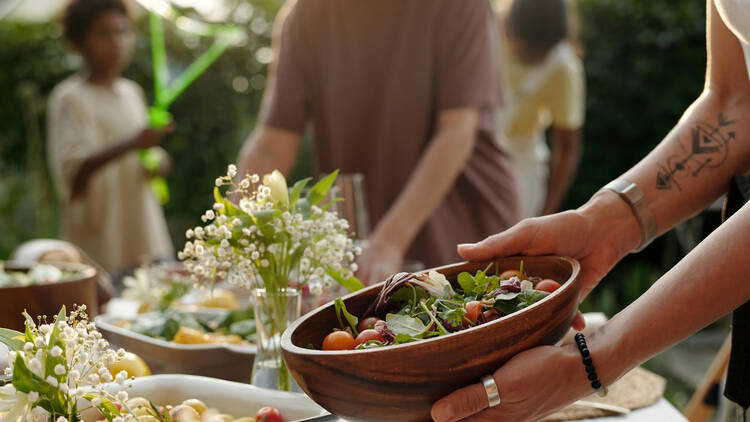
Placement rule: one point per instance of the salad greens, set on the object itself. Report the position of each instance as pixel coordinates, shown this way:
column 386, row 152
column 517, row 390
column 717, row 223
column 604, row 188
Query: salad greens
column 412, row 307
column 167, row 324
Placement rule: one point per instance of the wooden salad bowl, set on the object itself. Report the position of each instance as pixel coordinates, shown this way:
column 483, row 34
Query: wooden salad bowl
column 47, row 299
column 400, row 383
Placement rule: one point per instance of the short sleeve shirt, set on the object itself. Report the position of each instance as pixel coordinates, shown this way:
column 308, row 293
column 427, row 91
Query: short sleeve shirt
column 372, row 77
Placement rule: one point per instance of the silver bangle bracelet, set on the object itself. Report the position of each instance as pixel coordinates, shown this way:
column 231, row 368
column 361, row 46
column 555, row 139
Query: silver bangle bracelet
column 634, row 196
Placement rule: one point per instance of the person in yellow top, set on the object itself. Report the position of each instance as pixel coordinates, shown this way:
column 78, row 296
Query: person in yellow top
column 545, row 90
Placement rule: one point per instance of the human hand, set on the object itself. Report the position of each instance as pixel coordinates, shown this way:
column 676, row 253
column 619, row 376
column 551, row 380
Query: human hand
column 532, row 384
column 598, row 235
column 150, row 137
column 380, row 260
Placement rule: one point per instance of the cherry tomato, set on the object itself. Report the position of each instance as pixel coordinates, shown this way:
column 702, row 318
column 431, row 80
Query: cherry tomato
column 339, row 340
column 367, row 323
column 547, row 285
column 511, row 273
column 473, row 309
column 269, row 414
column 368, row 335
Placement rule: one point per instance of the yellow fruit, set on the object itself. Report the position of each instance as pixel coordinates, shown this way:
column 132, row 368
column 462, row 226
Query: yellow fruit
column 132, row 364
column 220, row 298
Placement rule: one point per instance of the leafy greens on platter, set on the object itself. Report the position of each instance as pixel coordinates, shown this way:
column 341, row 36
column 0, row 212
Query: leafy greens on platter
column 412, row 307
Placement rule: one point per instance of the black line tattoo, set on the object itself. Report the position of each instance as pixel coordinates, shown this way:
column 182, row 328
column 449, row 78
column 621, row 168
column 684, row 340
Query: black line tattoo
column 708, row 148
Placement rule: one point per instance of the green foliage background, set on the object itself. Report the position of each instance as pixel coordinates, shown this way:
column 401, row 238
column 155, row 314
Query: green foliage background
column 645, row 62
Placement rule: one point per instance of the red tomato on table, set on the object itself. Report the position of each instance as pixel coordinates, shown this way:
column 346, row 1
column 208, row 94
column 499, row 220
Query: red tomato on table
column 268, row 414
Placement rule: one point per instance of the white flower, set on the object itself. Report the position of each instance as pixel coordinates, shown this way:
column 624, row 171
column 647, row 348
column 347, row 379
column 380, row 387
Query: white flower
column 51, row 380
column 276, row 184
column 62, row 419
column 35, row 365
column 96, row 401
column 59, row 369
column 231, row 170
column 219, row 181
column 56, row 351
column 122, row 396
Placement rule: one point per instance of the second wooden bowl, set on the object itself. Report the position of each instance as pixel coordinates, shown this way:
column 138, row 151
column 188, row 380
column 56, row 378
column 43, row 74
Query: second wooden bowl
column 47, row 299
column 400, row 383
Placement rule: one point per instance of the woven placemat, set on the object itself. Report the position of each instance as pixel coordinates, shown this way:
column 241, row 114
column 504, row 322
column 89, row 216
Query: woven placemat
column 638, row 388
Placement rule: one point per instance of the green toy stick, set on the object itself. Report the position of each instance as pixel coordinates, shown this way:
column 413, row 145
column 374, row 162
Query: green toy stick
column 165, row 94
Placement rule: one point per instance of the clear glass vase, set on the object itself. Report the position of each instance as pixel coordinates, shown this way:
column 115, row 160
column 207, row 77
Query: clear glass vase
column 274, row 311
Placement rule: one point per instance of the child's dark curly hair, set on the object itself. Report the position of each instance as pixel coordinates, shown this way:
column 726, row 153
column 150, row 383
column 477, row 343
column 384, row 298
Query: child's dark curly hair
column 80, row 15
column 540, row 23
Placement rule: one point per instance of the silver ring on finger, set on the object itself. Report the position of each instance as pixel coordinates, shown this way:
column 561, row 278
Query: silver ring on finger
column 490, row 387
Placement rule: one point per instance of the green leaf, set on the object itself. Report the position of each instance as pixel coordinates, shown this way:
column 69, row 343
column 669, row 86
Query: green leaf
column 229, row 208
column 26, row 381
column 352, row 283
column 320, row 189
column 530, row 297
column 175, row 291
column 14, row 340
column 108, row 409
column 507, row 296
column 297, row 191
column 404, row 324
column 350, row 319
column 466, row 281
column 409, row 292
column 493, row 282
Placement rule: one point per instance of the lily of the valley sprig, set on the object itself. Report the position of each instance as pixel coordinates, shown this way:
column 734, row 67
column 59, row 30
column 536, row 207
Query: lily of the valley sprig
column 272, row 237
column 55, row 366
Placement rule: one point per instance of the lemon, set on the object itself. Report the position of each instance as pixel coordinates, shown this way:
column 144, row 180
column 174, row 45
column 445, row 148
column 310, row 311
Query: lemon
column 132, row 364
column 220, row 298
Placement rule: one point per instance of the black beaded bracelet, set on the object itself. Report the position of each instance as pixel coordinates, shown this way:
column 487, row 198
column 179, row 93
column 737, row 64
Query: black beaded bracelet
column 588, row 363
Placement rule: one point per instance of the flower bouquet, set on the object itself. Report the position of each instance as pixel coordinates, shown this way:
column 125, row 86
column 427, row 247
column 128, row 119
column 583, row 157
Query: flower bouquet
column 274, row 241
column 54, row 366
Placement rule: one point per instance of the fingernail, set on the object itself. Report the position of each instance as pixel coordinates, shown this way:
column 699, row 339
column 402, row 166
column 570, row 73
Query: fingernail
column 442, row 412
column 466, row 245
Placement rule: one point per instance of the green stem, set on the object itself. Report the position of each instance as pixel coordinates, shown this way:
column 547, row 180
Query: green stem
column 195, row 70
